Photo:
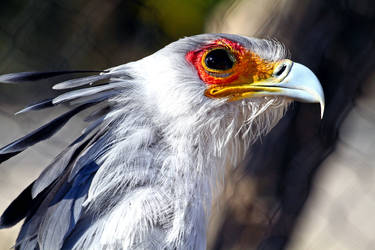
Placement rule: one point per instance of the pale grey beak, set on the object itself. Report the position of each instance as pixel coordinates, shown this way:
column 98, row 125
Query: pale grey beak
column 289, row 79
column 297, row 82
column 302, row 85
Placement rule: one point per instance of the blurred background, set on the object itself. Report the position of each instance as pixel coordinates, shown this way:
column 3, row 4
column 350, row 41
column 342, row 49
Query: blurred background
column 309, row 184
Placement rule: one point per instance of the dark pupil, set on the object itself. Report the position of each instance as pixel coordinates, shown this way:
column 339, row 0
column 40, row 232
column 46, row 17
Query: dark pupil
column 218, row 59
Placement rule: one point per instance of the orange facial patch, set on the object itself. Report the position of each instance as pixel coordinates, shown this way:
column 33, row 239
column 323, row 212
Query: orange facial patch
column 247, row 66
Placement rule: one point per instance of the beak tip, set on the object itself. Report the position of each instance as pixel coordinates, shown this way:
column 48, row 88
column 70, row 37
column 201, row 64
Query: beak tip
column 321, row 110
column 307, row 86
column 321, row 101
column 322, row 104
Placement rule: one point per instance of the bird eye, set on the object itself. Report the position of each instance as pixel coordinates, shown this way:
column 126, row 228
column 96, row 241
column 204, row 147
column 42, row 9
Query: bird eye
column 219, row 59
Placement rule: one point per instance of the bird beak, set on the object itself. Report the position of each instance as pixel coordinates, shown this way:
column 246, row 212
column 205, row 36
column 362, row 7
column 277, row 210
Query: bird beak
column 289, row 79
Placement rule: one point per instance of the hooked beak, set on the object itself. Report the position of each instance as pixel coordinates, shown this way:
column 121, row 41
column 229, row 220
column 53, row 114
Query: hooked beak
column 291, row 80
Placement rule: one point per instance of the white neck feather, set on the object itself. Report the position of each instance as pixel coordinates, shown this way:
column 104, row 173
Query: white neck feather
column 158, row 178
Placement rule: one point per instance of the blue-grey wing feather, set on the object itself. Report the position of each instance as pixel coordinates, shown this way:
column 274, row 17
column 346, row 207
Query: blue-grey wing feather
column 52, row 204
column 65, row 209
column 85, row 92
column 73, row 83
column 54, row 170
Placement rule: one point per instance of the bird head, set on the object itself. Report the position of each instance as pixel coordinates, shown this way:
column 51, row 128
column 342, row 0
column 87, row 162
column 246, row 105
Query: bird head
column 208, row 86
column 235, row 71
column 216, row 70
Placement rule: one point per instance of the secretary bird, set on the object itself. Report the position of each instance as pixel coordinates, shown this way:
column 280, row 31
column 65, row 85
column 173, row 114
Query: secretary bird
column 144, row 172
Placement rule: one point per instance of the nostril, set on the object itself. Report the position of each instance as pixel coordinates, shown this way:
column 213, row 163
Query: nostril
column 280, row 70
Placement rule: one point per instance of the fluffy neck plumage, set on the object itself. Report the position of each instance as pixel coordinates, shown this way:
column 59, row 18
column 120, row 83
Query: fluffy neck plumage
column 158, row 177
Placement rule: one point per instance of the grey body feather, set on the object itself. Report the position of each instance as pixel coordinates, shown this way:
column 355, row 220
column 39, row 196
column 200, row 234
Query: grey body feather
column 143, row 174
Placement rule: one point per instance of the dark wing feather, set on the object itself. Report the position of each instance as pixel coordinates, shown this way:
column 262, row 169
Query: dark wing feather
column 39, row 134
column 22, row 206
column 56, row 216
column 37, row 106
column 36, row 76
column 6, row 156
column 48, row 103
column 33, row 194
column 98, row 113
column 52, row 204
column 83, row 224
column 55, row 210
column 18, row 209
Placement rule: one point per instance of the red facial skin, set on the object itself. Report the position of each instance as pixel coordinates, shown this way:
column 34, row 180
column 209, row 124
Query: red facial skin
column 248, row 67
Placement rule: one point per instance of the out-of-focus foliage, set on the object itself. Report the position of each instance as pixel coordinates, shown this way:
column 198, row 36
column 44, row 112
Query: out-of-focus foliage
column 179, row 18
